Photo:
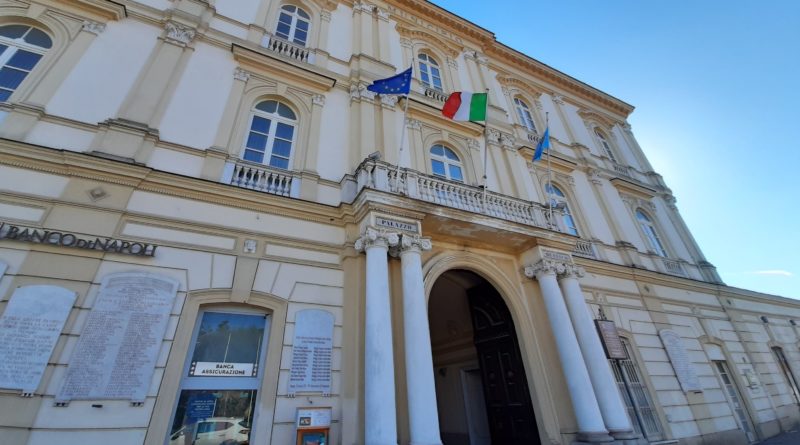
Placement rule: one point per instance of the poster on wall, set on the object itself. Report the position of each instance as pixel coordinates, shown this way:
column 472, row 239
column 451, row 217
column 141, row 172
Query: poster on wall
column 312, row 351
column 116, row 353
column 29, row 329
column 684, row 369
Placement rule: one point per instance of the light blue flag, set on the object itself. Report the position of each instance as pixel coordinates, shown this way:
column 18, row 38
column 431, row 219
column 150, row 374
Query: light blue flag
column 544, row 143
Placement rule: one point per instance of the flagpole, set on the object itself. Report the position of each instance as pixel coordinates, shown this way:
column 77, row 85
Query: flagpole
column 402, row 142
column 485, row 150
column 549, row 187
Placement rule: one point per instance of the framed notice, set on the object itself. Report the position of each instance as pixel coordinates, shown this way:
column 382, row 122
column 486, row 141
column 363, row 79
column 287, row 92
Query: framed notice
column 610, row 339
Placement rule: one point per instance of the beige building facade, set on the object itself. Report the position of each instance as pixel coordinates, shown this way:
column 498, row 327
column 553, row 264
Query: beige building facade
column 210, row 233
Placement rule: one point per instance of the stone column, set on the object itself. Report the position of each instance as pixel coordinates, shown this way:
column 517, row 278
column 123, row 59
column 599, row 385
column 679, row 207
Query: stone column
column 587, row 412
column 605, row 387
column 380, row 412
column 423, row 417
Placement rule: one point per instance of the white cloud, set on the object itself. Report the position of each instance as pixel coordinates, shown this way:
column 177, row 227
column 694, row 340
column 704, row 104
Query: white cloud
column 783, row 273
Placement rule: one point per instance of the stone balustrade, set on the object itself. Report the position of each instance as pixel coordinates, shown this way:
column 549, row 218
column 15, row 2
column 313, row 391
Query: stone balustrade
column 382, row 176
column 584, row 249
column 262, row 178
column 288, row 49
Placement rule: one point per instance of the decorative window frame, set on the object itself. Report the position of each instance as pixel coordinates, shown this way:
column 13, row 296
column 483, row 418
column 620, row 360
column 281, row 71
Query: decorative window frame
column 62, row 31
column 314, row 9
column 630, row 338
column 196, row 303
column 512, row 88
column 735, row 375
column 257, row 91
column 596, row 122
column 459, row 146
column 447, row 162
column 432, row 63
column 648, row 209
column 533, row 107
column 566, row 184
column 416, row 41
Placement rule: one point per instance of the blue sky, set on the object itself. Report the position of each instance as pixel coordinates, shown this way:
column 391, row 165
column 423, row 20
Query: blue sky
column 715, row 86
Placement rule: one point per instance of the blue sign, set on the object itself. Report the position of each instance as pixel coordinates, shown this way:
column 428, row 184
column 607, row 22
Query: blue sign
column 201, row 406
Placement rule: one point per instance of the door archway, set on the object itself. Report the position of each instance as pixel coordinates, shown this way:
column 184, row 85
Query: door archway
column 482, row 391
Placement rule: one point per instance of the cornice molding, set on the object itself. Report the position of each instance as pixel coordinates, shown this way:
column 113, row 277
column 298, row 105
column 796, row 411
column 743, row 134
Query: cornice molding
column 272, row 66
column 632, row 189
column 101, row 9
column 450, row 49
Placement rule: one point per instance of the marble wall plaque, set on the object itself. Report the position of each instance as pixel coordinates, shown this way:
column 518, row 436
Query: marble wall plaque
column 29, row 330
column 312, row 352
column 116, row 353
column 683, row 367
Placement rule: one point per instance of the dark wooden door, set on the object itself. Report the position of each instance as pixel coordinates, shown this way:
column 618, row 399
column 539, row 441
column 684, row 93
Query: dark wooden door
column 505, row 387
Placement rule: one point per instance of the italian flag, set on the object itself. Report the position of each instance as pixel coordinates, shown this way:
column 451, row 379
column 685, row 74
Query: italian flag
column 465, row 106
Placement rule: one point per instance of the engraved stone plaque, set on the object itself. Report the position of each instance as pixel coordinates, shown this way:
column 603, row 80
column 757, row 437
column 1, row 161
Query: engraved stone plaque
column 312, row 351
column 680, row 361
column 116, row 353
column 610, row 339
column 29, row 330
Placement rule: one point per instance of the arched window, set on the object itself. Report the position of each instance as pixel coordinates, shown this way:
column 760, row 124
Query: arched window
column 605, row 144
column 559, row 201
column 271, row 134
column 524, row 114
column 293, row 24
column 21, row 47
column 445, row 163
column 429, row 72
column 649, row 230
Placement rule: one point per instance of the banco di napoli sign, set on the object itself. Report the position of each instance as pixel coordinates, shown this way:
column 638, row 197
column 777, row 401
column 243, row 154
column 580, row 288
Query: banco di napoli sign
column 66, row 239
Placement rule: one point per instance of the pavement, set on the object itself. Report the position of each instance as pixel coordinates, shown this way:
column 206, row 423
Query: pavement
column 788, row 438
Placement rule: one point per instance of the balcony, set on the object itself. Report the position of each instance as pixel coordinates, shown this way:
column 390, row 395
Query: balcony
column 287, row 49
column 584, row 249
column 262, row 178
column 435, row 94
column 378, row 175
column 623, row 170
column 673, row 267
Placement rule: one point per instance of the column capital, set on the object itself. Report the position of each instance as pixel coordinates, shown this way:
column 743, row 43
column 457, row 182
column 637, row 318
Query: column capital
column 544, row 267
column 318, row 99
column 179, row 33
column 240, row 74
column 93, row 27
column 416, row 243
column 378, row 238
column 572, row 271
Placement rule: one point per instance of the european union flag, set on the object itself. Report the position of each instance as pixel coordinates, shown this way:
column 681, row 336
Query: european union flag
column 544, row 143
column 397, row 84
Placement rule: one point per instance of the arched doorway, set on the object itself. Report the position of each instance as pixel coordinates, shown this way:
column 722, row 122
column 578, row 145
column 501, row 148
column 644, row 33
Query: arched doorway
column 481, row 389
